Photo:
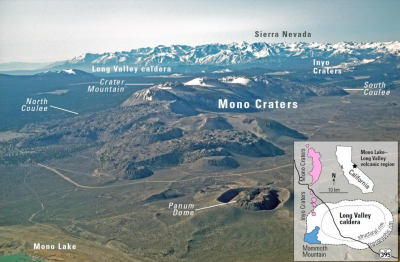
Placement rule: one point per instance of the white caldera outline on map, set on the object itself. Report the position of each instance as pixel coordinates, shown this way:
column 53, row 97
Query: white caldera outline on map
column 358, row 224
column 350, row 170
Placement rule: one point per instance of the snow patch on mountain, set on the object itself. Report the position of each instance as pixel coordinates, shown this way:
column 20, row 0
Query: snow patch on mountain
column 166, row 76
column 199, row 81
column 352, row 63
column 222, row 71
column 278, row 73
column 235, row 80
column 65, row 72
column 68, row 71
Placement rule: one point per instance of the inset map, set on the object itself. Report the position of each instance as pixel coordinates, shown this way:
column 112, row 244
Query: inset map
column 346, row 201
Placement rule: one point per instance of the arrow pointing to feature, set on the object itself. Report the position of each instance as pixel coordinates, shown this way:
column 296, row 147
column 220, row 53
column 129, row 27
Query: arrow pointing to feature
column 64, row 110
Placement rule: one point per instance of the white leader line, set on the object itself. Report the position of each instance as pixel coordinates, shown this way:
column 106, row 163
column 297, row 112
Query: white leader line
column 353, row 89
column 150, row 84
column 215, row 205
column 64, row 110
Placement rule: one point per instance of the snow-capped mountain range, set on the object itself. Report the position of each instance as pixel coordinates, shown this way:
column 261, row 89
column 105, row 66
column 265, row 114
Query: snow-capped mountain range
column 237, row 53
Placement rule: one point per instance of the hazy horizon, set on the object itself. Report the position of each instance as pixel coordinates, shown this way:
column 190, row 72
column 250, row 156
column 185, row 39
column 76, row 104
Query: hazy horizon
column 45, row 32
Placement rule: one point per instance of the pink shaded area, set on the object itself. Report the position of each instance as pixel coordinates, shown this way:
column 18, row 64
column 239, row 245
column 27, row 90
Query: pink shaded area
column 307, row 145
column 314, row 205
column 311, row 193
column 317, row 166
column 313, row 213
column 313, row 199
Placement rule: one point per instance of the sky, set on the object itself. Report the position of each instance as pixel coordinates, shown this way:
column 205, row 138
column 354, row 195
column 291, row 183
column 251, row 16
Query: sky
column 48, row 31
